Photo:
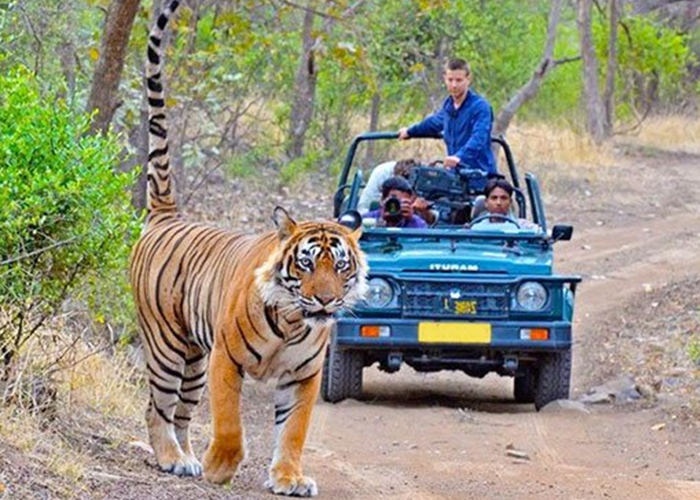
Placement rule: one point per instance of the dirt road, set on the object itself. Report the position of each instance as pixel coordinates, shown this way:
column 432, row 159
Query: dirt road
column 447, row 436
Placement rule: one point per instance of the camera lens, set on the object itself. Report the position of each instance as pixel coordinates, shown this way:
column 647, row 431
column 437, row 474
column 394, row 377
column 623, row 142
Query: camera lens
column 392, row 207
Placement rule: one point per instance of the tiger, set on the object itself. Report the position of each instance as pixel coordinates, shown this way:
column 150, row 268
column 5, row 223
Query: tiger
column 215, row 305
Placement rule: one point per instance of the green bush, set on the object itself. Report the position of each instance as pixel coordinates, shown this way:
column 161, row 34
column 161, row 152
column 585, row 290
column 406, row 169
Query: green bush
column 66, row 223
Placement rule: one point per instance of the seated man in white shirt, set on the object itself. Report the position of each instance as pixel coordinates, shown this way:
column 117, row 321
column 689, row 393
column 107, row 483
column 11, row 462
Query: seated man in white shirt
column 373, row 189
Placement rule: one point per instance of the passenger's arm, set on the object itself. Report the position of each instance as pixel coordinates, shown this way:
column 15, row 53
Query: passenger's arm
column 422, row 209
column 431, row 126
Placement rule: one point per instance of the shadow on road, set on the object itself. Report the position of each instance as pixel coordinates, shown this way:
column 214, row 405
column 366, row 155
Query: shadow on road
column 408, row 389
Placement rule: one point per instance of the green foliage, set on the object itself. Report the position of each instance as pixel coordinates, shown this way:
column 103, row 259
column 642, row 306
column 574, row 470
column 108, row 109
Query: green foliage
column 654, row 60
column 66, row 224
column 247, row 164
column 293, row 171
column 694, row 350
column 58, row 40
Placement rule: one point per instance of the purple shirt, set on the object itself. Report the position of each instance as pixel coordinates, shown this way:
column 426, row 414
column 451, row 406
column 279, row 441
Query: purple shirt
column 414, row 222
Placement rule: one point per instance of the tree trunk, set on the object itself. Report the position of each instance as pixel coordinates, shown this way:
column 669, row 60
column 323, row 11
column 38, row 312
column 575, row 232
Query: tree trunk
column 305, row 81
column 530, row 89
column 108, row 71
column 138, row 139
column 594, row 107
column 305, row 87
column 67, row 55
column 373, row 125
column 609, row 95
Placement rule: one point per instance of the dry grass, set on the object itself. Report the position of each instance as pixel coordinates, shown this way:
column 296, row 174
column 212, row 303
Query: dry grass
column 668, row 133
column 104, row 384
column 567, row 164
column 541, row 144
column 67, row 390
column 37, row 440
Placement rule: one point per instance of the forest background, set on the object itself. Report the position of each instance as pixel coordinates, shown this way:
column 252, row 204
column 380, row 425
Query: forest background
column 275, row 88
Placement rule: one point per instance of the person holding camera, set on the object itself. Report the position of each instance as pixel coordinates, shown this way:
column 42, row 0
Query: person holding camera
column 465, row 120
column 373, row 190
column 396, row 208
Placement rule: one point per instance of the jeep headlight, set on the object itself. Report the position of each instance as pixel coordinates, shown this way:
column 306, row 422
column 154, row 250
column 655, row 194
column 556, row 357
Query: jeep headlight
column 532, row 296
column 380, row 293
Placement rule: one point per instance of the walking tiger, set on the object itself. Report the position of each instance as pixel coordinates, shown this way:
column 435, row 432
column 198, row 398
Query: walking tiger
column 214, row 305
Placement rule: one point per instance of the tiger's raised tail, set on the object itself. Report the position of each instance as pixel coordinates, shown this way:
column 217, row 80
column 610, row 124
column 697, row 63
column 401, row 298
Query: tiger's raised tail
column 161, row 192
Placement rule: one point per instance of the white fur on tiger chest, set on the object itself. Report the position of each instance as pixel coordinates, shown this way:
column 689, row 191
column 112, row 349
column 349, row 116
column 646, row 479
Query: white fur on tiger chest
column 293, row 360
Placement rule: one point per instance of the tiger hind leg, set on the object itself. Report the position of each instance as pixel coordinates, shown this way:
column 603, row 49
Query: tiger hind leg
column 165, row 373
column 191, row 389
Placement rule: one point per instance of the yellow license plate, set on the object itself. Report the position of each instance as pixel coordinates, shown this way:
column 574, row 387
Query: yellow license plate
column 454, row 333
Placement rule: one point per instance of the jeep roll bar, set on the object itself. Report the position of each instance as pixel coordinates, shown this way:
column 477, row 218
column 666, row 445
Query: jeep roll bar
column 343, row 183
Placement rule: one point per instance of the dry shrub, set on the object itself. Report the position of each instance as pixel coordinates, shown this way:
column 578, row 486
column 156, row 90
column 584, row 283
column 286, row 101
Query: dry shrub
column 95, row 399
column 668, row 133
column 103, row 383
column 28, row 433
column 76, row 370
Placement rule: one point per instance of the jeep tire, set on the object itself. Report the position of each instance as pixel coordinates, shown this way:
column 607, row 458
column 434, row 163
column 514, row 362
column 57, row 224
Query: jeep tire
column 342, row 375
column 554, row 378
column 525, row 385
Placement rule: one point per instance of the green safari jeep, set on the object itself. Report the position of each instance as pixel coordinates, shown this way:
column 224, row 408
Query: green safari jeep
column 449, row 297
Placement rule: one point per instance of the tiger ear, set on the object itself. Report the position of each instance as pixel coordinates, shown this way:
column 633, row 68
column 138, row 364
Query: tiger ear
column 285, row 224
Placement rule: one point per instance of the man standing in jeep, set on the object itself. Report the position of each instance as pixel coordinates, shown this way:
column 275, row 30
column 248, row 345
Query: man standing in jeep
column 464, row 119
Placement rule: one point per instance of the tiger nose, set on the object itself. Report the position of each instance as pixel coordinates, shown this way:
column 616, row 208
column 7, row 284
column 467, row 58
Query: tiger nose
column 325, row 298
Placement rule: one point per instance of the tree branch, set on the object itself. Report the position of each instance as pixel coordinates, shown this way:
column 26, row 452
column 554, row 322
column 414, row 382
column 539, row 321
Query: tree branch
column 530, row 89
column 309, row 9
column 565, row 60
column 39, row 251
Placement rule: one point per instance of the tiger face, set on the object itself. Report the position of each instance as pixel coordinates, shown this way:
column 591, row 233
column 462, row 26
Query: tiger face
column 318, row 268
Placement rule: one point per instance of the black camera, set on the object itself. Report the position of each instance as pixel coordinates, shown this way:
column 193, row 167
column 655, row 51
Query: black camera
column 392, row 208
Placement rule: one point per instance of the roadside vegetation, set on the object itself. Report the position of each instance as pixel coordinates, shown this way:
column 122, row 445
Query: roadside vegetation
column 276, row 89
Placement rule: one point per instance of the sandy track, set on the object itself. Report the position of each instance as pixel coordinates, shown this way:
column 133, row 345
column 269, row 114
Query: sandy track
column 446, row 436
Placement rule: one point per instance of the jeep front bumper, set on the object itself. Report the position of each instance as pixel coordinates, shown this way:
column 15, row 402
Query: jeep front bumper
column 404, row 334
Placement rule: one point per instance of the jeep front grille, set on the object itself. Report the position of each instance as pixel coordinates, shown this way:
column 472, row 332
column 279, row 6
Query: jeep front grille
column 455, row 300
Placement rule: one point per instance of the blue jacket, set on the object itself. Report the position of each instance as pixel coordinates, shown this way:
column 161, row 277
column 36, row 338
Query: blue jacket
column 466, row 131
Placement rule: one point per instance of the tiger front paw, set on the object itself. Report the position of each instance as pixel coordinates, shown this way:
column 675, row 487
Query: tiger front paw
column 296, row 485
column 221, row 463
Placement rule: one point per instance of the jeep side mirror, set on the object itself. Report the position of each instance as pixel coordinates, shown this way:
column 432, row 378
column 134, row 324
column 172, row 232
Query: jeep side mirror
column 561, row 232
column 350, row 219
